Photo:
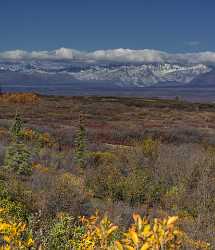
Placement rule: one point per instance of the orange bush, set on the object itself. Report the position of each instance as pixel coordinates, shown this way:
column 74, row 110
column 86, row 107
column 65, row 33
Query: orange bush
column 20, row 98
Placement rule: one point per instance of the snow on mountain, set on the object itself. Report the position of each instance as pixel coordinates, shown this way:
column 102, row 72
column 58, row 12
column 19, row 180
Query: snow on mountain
column 143, row 75
column 131, row 74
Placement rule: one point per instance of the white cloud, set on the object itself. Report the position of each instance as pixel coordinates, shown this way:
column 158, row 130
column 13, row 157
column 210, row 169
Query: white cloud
column 64, row 53
column 127, row 55
column 115, row 55
column 14, row 55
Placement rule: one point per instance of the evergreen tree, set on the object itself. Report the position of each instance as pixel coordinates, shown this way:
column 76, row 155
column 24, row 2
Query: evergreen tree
column 18, row 157
column 80, row 144
column 17, row 128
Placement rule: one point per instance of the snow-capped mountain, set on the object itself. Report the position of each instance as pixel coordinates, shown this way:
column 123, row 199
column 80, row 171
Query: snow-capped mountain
column 121, row 74
column 142, row 75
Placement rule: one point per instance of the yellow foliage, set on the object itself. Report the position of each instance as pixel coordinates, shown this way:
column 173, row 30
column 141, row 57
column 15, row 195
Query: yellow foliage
column 98, row 233
column 11, row 234
column 42, row 169
column 149, row 147
column 43, row 138
column 160, row 234
column 142, row 235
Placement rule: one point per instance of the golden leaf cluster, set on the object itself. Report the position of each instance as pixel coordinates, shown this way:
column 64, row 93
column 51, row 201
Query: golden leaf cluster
column 12, row 234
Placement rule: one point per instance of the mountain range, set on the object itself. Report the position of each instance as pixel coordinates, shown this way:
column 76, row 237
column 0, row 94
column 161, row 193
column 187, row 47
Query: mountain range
column 116, row 74
column 115, row 68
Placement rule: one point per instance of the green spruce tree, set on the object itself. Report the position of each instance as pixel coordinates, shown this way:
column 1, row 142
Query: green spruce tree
column 18, row 157
column 17, row 127
column 80, row 144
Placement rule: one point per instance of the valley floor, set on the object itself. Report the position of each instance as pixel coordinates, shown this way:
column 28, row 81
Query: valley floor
column 192, row 94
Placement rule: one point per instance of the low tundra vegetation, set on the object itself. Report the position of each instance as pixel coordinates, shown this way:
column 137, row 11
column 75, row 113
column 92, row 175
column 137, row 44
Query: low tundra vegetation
column 71, row 193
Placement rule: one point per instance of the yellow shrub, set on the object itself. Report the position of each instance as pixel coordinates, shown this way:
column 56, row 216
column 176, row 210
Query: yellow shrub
column 99, row 233
column 149, row 147
column 42, row 169
column 43, row 138
column 142, row 235
column 160, row 234
column 11, row 234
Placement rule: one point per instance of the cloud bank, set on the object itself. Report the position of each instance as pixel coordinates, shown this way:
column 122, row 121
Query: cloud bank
column 114, row 55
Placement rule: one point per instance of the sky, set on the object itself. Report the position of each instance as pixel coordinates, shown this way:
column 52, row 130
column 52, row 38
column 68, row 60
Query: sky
column 168, row 25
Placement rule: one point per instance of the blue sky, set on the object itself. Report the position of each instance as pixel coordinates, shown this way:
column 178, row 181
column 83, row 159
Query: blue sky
column 167, row 25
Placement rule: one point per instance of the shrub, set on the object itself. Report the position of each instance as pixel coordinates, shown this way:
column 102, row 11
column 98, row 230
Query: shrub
column 68, row 194
column 64, row 234
column 56, row 191
column 149, row 147
column 20, row 98
column 3, row 190
column 13, row 235
column 104, row 181
column 97, row 158
column 14, row 209
column 37, row 138
column 160, row 234
column 122, row 178
column 98, row 232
